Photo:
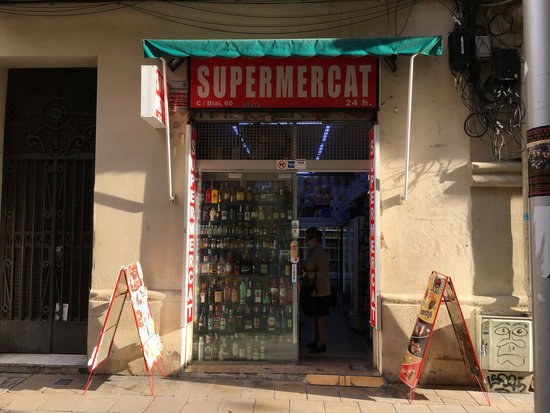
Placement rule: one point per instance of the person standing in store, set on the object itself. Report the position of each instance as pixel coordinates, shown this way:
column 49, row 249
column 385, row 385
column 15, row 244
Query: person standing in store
column 315, row 273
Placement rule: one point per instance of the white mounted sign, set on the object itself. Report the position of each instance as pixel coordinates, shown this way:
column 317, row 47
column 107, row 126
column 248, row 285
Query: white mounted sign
column 152, row 97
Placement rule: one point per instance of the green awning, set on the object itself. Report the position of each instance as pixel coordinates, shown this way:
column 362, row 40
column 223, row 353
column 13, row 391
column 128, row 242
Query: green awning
column 355, row 47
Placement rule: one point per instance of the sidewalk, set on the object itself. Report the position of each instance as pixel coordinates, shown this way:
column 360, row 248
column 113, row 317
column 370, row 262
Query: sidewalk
column 64, row 393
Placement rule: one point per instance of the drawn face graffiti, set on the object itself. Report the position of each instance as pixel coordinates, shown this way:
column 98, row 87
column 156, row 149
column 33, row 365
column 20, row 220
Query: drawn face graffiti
column 511, row 342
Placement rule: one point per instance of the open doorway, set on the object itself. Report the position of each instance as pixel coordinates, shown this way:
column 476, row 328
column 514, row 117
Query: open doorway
column 337, row 205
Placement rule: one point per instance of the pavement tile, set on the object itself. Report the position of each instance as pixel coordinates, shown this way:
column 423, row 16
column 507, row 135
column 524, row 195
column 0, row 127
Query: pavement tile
column 342, row 407
column 258, row 389
column 482, row 409
column 236, row 406
column 520, row 399
column 425, row 397
column 271, row 406
column 8, row 382
column 374, row 407
column 461, row 397
column 354, row 394
column 28, row 402
column 412, row 408
column 226, row 389
column 7, row 398
column 290, row 391
column 325, row 393
column 121, row 385
column 389, row 394
column 497, row 399
column 96, row 402
column 307, row 406
column 169, row 404
column 62, row 402
column 198, row 405
column 446, row 408
column 131, row 403
column 517, row 409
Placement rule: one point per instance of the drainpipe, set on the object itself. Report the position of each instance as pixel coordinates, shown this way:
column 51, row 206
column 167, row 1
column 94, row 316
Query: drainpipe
column 409, row 115
column 536, row 15
column 171, row 194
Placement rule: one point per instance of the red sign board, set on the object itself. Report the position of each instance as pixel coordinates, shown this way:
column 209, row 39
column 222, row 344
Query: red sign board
column 319, row 82
column 439, row 289
column 190, row 247
column 372, row 237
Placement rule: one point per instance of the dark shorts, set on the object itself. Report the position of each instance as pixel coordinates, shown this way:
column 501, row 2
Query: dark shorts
column 322, row 306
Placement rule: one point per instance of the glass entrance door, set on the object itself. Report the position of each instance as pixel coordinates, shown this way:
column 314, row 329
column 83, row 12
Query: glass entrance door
column 245, row 287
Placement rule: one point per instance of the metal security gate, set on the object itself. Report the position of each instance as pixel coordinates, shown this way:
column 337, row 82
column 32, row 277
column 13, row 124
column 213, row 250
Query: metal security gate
column 47, row 209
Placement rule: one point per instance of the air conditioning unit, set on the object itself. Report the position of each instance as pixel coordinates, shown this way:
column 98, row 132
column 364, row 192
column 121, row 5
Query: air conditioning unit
column 505, row 343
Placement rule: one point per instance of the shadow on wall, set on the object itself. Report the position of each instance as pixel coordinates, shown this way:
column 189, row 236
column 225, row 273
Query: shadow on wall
column 492, row 241
column 443, row 363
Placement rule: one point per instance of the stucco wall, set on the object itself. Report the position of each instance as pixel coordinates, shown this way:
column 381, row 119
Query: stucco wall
column 436, row 228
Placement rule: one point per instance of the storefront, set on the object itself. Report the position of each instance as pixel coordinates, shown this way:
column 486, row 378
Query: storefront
column 289, row 108
column 262, row 180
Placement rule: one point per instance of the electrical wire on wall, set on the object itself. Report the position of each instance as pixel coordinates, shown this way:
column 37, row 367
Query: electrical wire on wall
column 236, row 19
column 484, row 58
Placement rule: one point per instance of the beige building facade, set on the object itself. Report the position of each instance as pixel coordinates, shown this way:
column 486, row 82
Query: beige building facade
column 475, row 234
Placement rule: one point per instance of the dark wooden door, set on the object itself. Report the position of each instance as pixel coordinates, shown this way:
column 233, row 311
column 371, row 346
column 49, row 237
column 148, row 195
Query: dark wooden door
column 47, row 210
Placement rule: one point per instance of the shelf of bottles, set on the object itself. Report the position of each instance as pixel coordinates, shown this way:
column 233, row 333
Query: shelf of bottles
column 245, row 294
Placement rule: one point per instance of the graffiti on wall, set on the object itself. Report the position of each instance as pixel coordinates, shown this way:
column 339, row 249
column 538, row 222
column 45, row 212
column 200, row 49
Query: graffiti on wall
column 508, row 382
column 511, row 345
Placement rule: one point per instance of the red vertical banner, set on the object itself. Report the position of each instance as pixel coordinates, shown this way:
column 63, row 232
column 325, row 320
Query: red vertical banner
column 372, row 230
column 190, row 241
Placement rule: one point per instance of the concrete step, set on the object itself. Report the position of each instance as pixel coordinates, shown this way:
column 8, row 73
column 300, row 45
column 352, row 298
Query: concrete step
column 43, row 363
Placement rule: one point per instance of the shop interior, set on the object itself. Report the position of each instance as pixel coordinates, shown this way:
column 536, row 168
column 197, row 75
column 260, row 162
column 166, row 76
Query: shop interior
column 337, row 204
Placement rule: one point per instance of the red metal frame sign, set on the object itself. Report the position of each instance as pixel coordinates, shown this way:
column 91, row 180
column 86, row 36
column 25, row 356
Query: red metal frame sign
column 131, row 285
column 439, row 289
column 317, row 82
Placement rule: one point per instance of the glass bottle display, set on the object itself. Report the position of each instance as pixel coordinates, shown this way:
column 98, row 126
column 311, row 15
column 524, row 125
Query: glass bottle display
column 244, row 292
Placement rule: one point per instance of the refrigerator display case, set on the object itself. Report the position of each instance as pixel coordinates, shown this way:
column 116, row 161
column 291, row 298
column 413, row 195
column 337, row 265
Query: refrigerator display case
column 245, row 289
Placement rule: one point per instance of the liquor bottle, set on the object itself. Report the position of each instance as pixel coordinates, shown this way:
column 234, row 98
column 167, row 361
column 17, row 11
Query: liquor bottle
column 249, row 294
column 203, row 320
column 235, row 293
column 236, row 346
column 271, row 320
column 224, row 214
column 242, row 292
column 240, row 214
column 242, row 349
column 261, row 214
column 210, row 319
column 201, row 349
column 212, row 215
column 274, row 292
column 266, row 297
column 205, row 215
column 282, row 291
column 263, row 323
column 223, row 319
column 228, row 265
column 216, row 318
column 245, row 265
column 239, row 321
column 264, row 266
column 212, row 266
column 232, row 216
column 221, row 265
column 240, row 194
column 249, row 195
column 248, row 319
column 211, row 293
column 263, row 352
column 277, row 321
column 215, row 347
column 226, row 193
column 224, row 353
column 215, row 195
column 208, row 348
column 276, row 213
column 233, row 196
column 208, row 195
column 257, row 318
column 227, row 292
column 258, row 293
column 231, row 326
column 237, row 267
column 203, row 293
column 218, row 294
column 247, row 214
column 254, row 214
column 289, row 319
